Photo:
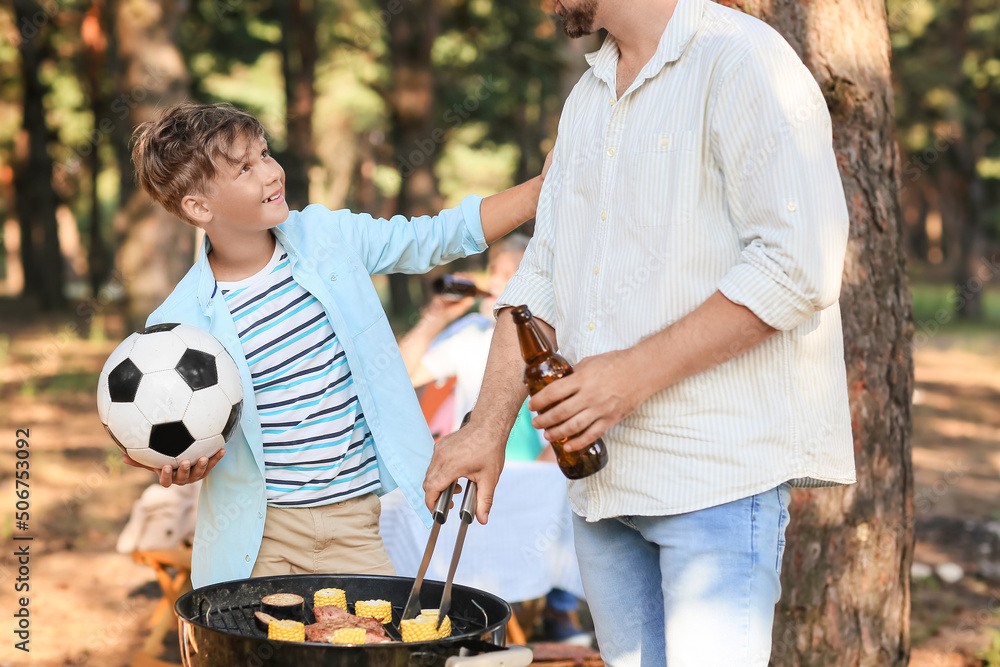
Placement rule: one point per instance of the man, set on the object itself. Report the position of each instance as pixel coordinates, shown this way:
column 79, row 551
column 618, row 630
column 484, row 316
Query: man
column 689, row 245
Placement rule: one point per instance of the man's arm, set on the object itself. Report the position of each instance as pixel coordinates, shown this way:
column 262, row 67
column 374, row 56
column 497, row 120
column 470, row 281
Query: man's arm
column 476, row 451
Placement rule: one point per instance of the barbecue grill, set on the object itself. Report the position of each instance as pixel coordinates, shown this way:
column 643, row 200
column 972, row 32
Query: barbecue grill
column 217, row 626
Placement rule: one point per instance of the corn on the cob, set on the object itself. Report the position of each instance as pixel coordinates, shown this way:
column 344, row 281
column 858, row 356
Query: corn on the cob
column 432, row 614
column 380, row 609
column 422, row 628
column 348, row 636
column 330, row 596
column 419, row 629
column 289, row 631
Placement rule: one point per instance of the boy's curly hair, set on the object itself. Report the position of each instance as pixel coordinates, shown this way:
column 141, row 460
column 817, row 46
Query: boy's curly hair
column 177, row 154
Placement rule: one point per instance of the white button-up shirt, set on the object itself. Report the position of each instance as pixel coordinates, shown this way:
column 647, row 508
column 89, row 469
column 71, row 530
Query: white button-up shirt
column 715, row 171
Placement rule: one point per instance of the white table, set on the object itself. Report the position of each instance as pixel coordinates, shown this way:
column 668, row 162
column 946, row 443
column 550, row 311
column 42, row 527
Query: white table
column 524, row 551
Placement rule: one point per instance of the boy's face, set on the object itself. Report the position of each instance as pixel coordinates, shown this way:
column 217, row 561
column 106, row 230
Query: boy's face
column 247, row 197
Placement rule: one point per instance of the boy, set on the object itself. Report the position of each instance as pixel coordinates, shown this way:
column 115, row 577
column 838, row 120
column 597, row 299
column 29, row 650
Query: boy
column 329, row 417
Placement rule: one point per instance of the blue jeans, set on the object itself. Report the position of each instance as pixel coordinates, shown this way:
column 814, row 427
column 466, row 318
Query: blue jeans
column 688, row 590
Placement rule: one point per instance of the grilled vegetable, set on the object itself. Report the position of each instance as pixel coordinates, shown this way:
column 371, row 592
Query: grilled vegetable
column 380, row 609
column 421, row 628
column 284, row 606
column 288, row 631
column 263, row 620
column 417, row 630
column 349, row 636
column 432, row 614
column 330, row 596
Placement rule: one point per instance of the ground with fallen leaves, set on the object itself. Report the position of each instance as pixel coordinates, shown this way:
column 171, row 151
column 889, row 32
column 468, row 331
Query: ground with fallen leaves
column 89, row 604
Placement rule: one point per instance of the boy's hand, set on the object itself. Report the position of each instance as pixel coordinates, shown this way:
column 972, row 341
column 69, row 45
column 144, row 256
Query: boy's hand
column 185, row 472
column 548, row 163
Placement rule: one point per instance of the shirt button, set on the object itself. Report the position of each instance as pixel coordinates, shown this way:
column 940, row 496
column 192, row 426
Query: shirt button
column 591, row 326
column 792, row 207
column 597, row 270
column 260, row 515
column 665, row 141
column 611, row 152
column 333, row 276
column 248, row 558
column 611, row 101
column 604, row 215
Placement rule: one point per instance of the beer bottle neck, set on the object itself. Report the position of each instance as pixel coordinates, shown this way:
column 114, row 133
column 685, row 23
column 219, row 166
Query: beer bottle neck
column 534, row 344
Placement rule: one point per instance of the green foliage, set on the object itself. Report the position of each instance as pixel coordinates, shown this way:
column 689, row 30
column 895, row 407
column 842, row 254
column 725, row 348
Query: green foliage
column 497, row 95
column 937, row 302
column 991, row 655
column 946, row 64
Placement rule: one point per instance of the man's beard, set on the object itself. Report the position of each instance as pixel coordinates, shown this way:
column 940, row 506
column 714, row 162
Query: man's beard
column 579, row 20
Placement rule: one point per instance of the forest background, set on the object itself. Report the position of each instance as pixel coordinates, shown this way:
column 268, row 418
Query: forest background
column 405, row 106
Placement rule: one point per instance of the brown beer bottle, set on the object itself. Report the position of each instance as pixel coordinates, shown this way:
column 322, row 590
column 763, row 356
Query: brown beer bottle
column 458, row 287
column 542, row 366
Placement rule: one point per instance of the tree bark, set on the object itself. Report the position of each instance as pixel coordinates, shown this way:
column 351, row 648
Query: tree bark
column 36, row 204
column 95, row 46
column 846, row 574
column 412, row 28
column 298, row 49
column 157, row 248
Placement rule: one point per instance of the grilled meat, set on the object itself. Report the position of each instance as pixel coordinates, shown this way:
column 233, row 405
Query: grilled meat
column 323, row 632
column 343, row 619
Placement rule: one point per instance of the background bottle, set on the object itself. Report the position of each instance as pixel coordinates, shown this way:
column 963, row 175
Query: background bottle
column 542, row 366
column 453, row 285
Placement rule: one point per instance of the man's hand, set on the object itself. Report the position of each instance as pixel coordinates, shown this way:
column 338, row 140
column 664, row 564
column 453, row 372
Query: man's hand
column 473, row 452
column 601, row 392
column 185, row 472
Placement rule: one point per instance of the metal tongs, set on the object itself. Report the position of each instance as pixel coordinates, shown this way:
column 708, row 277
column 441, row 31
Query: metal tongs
column 467, row 513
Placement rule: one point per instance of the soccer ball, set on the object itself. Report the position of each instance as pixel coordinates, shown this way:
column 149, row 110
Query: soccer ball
column 168, row 393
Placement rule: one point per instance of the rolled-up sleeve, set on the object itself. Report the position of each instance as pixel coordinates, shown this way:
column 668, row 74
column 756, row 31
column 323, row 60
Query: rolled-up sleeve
column 532, row 284
column 415, row 245
column 771, row 136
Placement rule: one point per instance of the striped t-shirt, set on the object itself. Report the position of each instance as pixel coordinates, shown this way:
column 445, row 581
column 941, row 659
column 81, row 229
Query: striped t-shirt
column 317, row 447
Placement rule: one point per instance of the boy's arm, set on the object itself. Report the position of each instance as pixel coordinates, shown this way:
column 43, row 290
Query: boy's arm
column 505, row 211
column 415, row 245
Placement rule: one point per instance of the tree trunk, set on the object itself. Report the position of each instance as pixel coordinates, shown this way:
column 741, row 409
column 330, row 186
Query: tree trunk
column 36, row 197
column 412, row 28
column 157, row 248
column 846, row 574
column 94, row 33
column 298, row 48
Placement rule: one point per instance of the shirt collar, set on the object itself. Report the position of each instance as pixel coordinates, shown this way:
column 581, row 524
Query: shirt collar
column 207, row 286
column 681, row 28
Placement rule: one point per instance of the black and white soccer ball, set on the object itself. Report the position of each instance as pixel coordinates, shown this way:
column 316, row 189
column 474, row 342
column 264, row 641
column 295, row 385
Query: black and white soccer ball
column 168, row 393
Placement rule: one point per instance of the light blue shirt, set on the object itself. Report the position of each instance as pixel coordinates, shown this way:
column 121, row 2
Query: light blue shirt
column 333, row 254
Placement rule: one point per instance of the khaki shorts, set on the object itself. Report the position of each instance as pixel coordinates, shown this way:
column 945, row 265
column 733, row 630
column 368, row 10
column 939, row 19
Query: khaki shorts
column 341, row 538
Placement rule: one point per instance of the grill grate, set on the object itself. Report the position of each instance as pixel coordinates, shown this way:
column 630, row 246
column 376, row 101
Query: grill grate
column 239, row 620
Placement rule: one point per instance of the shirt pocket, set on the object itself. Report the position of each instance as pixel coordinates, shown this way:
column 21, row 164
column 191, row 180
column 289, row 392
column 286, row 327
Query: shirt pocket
column 661, row 178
